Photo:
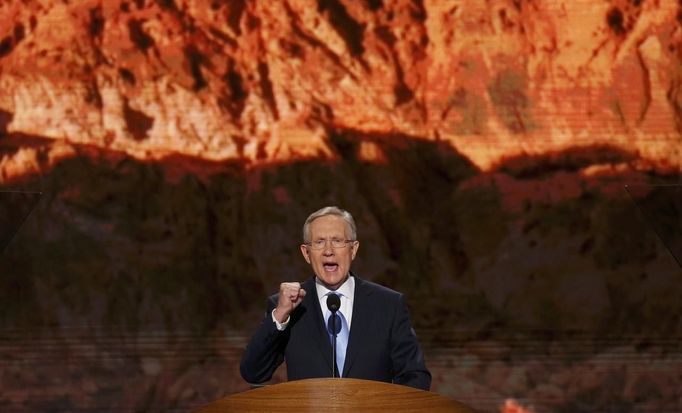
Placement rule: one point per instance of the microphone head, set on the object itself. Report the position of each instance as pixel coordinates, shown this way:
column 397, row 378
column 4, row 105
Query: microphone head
column 333, row 302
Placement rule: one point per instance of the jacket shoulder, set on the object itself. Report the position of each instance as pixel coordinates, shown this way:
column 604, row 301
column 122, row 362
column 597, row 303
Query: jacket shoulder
column 377, row 290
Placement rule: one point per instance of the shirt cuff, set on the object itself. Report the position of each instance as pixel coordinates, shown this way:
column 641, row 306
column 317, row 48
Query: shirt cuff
column 280, row 326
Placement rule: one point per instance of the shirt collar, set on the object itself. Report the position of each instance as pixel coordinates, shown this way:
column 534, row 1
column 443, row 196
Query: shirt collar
column 347, row 289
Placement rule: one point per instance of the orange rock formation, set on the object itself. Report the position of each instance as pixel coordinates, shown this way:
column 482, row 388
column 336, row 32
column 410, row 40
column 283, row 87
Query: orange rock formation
column 264, row 82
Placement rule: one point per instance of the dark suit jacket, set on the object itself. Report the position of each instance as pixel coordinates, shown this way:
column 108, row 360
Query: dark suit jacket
column 382, row 345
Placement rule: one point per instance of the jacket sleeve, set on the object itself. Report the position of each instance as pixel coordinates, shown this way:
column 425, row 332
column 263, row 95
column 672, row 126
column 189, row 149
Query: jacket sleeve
column 409, row 367
column 265, row 351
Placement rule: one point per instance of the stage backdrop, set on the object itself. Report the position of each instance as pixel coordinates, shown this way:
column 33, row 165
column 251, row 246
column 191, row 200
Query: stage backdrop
column 511, row 165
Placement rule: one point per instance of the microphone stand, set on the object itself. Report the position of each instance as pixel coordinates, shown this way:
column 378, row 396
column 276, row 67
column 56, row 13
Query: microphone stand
column 333, row 304
column 334, row 346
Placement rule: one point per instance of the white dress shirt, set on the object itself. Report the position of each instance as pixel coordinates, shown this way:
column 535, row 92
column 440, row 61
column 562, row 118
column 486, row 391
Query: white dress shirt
column 346, row 292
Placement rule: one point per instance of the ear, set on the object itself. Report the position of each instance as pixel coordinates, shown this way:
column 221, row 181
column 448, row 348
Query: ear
column 305, row 252
column 356, row 245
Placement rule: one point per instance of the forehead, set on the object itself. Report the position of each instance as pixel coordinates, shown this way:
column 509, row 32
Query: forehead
column 329, row 226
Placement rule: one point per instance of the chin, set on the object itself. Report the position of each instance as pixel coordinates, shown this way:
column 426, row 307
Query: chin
column 332, row 280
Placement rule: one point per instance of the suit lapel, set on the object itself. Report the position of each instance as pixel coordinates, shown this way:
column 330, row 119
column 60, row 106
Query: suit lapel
column 316, row 323
column 360, row 325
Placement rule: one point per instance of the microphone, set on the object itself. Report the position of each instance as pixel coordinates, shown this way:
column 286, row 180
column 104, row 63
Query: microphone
column 333, row 304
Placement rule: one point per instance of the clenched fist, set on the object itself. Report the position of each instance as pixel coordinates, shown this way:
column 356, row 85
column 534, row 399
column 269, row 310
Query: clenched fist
column 290, row 296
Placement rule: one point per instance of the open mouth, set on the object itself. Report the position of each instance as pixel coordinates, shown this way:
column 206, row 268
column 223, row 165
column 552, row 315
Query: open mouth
column 330, row 266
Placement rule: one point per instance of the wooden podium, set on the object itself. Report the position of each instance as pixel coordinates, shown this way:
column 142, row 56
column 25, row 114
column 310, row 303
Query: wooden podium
column 335, row 395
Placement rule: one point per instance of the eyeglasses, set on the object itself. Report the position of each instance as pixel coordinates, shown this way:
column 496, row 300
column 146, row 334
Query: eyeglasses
column 319, row 244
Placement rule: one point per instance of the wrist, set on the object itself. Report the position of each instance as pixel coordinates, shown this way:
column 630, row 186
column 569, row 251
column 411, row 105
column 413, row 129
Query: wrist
column 280, row 315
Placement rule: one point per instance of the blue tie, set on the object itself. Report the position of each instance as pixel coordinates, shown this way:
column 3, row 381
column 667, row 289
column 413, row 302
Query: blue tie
column 341, row 338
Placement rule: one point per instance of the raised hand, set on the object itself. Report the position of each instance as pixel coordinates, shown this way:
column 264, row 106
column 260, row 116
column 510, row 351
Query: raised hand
column 290, row 296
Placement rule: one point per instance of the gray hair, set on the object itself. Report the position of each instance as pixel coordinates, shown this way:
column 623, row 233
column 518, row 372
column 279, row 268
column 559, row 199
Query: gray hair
column 330, row 210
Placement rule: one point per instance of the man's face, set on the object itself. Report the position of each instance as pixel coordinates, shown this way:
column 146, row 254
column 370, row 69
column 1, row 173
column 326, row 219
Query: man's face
column 331, row 265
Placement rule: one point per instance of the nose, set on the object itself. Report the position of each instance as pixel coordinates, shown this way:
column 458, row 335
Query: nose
column 328, row 250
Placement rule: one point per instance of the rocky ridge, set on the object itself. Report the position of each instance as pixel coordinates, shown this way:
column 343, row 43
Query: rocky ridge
column 270, row 82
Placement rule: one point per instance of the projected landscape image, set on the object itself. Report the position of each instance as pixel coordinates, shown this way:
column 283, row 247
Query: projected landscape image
column 513, row 167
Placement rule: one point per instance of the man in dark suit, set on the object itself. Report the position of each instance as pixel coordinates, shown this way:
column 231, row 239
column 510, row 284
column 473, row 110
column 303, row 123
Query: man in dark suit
column 375, row 340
